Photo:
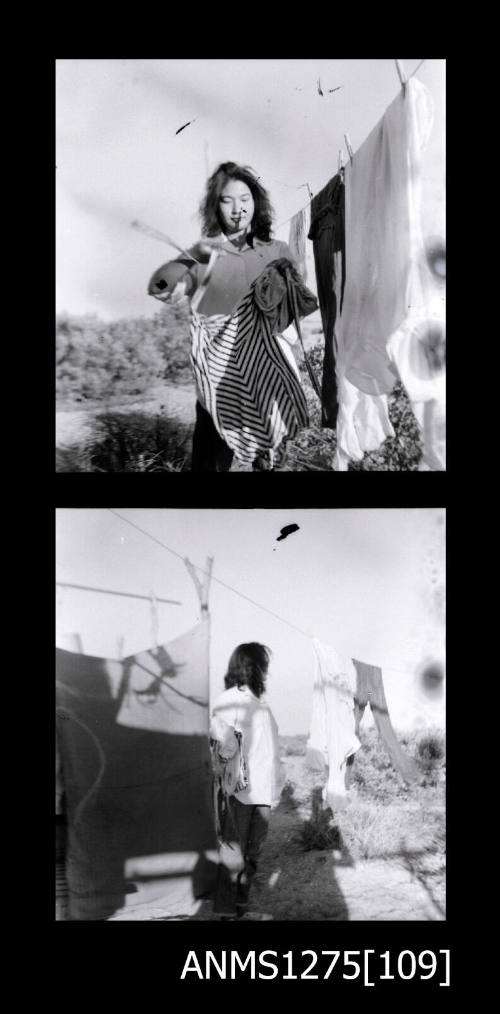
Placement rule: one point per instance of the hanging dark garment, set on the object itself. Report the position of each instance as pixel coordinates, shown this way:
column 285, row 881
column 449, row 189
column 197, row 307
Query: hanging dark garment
column 328, row 235
column 370, row 689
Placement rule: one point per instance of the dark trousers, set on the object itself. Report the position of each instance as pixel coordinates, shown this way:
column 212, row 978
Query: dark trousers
column 210, row 451
column 248, row 825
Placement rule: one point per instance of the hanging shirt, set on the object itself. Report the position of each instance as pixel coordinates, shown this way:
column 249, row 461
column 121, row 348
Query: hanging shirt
column 332, row 730
column 385, row 283
column 248, row 714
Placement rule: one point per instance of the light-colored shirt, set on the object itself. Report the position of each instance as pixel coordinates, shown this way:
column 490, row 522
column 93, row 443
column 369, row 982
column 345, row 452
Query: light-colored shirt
column 248, row 714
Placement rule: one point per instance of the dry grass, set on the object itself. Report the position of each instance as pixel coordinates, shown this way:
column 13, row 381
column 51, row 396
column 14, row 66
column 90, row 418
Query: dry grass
column 384, row 818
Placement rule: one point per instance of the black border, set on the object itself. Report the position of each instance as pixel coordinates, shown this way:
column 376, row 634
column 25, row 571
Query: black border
column 146, row 962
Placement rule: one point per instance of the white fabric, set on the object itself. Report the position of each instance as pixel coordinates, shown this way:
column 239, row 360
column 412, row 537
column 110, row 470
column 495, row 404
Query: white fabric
column 420, row 365
column 248, row 714
column 332, row 737
column 387, row 278
column 226, row 737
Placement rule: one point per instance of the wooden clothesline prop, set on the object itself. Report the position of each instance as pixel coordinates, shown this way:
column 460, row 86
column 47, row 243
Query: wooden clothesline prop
column 202, row 586
column 403, row 77
column 348, row 146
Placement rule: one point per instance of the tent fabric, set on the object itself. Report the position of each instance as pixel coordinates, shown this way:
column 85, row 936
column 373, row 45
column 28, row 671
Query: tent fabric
column 389, row 283
column 133, row 740
column 332, row 737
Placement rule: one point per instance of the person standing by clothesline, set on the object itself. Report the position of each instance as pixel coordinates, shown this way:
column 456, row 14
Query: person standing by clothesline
column 244, row 737
column 237, row 244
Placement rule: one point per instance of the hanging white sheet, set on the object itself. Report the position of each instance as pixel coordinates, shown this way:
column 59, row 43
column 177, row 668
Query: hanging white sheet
column 332, row 739
column 392, row 321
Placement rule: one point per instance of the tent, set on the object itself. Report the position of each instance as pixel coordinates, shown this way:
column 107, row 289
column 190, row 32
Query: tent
column 134, row 772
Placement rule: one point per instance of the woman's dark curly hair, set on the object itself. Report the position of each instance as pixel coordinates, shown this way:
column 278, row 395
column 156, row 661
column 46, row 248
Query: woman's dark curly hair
column 209, row 207
column 248, row 666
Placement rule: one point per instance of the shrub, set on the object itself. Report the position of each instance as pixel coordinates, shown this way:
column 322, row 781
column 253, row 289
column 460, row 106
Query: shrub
column 130, row 442
column 372, row 772
column 314, row 448
column 371, row 831
column 320, row 832
column 293, row 746
column 98, row 360
column 287, row 795
column 430, row 753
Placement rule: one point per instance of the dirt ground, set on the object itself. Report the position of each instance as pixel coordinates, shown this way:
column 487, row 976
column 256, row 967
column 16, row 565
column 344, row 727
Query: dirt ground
column 76, row 424
column 294, row 884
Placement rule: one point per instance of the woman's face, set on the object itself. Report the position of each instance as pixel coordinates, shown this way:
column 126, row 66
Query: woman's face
column 236, row 207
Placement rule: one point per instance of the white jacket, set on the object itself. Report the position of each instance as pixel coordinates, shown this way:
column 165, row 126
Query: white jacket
column 248, row 714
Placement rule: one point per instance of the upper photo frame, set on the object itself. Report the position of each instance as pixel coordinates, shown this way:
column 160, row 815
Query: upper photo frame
column 251, row 265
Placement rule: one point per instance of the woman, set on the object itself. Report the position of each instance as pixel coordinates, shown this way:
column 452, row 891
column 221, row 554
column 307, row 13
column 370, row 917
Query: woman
column 237, row 246
column 239, row 714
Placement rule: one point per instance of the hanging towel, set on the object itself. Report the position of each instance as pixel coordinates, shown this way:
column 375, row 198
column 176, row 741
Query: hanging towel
column 297, row 241
column 370, row 689
column 245, row 381
column 327, row 232
column 133, row 737
column 385, row 281
column 332, row 734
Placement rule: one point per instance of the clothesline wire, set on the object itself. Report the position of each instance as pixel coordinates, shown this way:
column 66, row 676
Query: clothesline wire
column 203, row 571
column 225, row 585
column 109, row 591
column 417, row 68
column 290, row 186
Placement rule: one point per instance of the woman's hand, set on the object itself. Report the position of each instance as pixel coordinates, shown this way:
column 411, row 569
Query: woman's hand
column 177, row 294
column 204, row 247
column 172, row 298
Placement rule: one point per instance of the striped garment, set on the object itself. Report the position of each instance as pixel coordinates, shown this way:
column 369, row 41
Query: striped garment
column 245, row 381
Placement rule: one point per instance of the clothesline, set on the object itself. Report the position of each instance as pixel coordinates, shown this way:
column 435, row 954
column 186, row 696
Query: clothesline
column 228, row 586
column 218, row 580
column 155, row 233
column 109, row 591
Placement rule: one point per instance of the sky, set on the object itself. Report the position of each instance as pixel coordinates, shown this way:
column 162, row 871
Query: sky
column 119, row 158
column 369, row 581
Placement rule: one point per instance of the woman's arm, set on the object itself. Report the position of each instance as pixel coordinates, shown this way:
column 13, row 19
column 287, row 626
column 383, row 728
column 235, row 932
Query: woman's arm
column 181, row 277
column 170, row 276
